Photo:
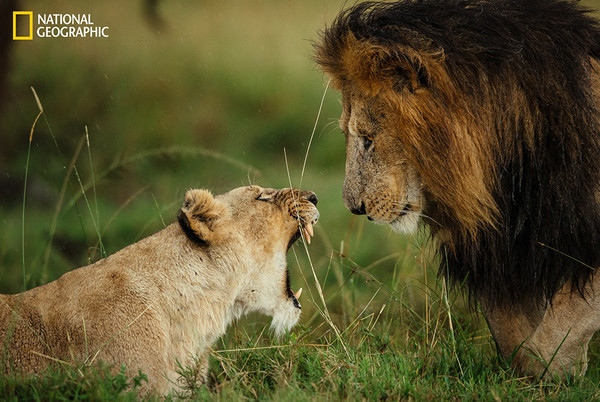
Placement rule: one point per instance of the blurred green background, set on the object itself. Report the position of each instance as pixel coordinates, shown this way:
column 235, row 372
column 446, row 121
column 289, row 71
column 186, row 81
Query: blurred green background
column 212, row 94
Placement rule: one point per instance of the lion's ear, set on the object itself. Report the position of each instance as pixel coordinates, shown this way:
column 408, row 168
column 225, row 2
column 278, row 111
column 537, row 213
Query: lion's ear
column 200, row 215
column 378, row 68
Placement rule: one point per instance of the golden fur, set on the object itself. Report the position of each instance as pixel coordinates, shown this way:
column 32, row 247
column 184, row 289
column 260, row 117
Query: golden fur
column 168, row 297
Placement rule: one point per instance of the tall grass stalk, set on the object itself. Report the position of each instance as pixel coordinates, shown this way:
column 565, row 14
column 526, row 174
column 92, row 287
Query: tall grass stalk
column 62, row 160
column 312, row 134
column 87, row 139
column 66, row 180
column 449, row 312
column 89, row 207
column 57, row 209
column 158, row 210
column 39, row 104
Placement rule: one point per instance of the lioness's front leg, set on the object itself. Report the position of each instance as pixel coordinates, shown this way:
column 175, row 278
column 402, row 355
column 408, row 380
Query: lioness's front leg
column 558, row 346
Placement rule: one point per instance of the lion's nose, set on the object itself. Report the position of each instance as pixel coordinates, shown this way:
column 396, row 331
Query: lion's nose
column 360, row 210
column 313, row 198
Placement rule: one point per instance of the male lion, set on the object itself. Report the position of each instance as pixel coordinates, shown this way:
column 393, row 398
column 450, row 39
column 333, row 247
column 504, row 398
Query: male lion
column 482, row 117
column 170, row 296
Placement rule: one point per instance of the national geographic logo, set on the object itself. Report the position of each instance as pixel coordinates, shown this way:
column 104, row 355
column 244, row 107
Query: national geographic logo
column 55, row 26
column 22, row 25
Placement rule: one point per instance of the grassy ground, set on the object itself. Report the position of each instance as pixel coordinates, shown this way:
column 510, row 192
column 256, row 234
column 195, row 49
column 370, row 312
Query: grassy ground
column 225, row 94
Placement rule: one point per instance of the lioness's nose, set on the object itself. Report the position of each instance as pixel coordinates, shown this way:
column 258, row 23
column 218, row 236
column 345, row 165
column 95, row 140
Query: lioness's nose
column 312, row 197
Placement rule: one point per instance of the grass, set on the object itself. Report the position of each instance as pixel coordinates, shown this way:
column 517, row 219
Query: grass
column 82, row 383
column 226, row 96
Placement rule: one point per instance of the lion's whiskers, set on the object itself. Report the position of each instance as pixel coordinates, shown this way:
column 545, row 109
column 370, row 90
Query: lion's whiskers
column 409, row 211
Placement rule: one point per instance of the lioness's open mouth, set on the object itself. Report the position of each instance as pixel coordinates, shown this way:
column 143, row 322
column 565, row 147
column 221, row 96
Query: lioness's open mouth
column 306, row 222
column 304, row 228
column 295, row 296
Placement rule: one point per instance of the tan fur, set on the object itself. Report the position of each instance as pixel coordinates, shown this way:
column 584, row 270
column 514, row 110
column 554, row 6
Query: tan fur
column 551, row 342
column 168, row 297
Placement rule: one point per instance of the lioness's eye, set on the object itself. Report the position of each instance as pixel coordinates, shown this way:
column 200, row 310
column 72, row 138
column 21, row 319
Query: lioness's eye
column 263, row 198
column 367, row 141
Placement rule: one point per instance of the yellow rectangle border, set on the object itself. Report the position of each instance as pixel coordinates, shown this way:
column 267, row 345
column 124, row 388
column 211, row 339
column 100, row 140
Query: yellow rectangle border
column 30, row 14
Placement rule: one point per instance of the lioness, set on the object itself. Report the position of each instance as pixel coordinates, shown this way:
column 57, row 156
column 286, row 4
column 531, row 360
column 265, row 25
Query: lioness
column 169, row 296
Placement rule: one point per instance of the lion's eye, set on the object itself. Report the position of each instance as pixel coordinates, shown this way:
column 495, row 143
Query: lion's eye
column 367, row 141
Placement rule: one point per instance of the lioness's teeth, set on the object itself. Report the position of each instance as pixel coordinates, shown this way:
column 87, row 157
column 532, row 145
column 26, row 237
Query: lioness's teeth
column 298, row 293
column 306, row 235
column 309, row 229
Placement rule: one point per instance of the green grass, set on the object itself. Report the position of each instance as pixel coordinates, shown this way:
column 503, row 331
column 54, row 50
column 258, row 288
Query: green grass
column 226, row 96
column 82, row 383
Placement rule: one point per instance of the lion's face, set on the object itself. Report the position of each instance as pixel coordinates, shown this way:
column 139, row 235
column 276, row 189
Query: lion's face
column 258, row 226
column 380, row 182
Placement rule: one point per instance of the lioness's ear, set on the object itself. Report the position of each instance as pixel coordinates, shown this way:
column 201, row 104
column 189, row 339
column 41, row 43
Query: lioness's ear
column 378, row 68
column 200, row 215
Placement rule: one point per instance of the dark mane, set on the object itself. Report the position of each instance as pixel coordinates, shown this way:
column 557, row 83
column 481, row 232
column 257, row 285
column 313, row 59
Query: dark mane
column 525, row 70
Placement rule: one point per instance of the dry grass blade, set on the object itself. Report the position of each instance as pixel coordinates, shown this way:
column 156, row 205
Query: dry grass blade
column 312, row 135
column 87, row 138
column 54, row 359
column 312, row 345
